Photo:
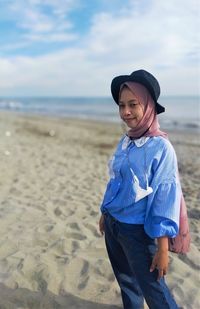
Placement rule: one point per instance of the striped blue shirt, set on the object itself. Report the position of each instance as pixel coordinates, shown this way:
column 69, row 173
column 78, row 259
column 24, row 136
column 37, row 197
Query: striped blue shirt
column 144, row 186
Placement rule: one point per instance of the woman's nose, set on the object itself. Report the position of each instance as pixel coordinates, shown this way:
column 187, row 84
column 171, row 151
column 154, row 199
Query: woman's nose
column 127, row 111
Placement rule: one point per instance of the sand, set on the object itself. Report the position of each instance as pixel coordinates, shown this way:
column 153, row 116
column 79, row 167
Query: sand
column 53, row 176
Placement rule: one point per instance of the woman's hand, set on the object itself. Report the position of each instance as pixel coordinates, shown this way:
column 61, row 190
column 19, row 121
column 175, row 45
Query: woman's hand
column 101, row 225
column 161, row 258
column 160, row 262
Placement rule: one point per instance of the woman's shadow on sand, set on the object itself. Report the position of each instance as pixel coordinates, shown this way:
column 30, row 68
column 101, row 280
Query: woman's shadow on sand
column 24, row 298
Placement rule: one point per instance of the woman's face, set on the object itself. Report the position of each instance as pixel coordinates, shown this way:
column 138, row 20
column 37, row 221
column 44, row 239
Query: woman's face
column 130, row 109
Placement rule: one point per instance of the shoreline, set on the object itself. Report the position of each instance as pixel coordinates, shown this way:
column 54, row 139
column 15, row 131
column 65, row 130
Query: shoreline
column 53, row 177
column 169, row 126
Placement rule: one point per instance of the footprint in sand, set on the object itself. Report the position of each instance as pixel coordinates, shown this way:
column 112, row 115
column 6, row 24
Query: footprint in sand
column 76, row 236
column 94, row 213
column 85, row 268
column 74, row 226
column 48, row 228
column 83, row 284
column 20, row 264
column 70, row 247
column 62, row 259
column 15, row 191
column 45, row 228
column 92, row 229
column 57, row 212
column 38, row 277
column 75, row 246
column 102, row 268
column 84, row 276
column 40, row 242
column 178, row 291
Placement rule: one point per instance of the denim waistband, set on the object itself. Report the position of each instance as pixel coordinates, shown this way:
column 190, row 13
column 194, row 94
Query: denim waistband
column 132, row 225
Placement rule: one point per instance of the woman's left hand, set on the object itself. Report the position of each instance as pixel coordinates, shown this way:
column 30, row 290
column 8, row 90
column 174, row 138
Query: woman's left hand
column 160, row 262
column 101, row 225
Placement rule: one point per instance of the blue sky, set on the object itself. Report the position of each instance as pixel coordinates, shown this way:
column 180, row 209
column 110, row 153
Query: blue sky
column 75, row 47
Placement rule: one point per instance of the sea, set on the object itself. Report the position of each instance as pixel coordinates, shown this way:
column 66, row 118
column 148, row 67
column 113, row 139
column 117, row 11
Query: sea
column 182, row 112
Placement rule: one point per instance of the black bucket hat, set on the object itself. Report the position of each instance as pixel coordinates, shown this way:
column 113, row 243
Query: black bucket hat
column 142, row 77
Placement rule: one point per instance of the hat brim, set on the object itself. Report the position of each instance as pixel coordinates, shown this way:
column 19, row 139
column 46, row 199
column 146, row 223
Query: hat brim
column 119, row 80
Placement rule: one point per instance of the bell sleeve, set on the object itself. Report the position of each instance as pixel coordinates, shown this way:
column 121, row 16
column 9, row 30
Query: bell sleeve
column 163, row 208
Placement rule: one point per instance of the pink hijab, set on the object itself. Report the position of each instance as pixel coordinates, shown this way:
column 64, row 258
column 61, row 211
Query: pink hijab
column 148, row 125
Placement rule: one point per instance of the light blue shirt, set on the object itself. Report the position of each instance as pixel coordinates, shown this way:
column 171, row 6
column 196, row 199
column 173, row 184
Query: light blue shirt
column 144, row 186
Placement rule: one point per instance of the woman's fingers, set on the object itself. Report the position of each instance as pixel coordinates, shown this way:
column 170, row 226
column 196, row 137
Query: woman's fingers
column 101, row 230
column 160, row 264
column 153, row 264
column 101, row 225
column 161, row 273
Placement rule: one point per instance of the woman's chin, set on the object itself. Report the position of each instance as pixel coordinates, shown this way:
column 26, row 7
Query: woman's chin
column 126, row 126
column 131, row 124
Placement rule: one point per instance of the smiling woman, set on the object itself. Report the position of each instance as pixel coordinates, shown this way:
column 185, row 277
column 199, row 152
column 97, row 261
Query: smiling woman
column 130, row 109
column 142, row 204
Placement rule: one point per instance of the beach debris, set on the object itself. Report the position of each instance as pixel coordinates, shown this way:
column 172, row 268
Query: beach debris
column 7, row 152
column 8, row 133
column 52, row 133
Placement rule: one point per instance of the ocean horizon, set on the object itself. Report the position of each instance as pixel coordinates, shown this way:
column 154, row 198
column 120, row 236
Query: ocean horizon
column 181, row 111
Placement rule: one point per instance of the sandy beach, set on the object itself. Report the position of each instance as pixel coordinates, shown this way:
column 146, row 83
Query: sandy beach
column 53, row 176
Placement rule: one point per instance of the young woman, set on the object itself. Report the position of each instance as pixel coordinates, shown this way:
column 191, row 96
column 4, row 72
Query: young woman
column 141, row 205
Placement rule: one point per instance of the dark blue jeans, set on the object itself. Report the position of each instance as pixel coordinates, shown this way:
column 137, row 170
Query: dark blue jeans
column 130, row 251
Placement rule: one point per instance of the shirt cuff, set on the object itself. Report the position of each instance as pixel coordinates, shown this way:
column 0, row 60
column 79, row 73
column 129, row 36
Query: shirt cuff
column 161, row 227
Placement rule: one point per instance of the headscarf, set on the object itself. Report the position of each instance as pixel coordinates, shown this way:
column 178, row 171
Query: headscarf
column 148, row 125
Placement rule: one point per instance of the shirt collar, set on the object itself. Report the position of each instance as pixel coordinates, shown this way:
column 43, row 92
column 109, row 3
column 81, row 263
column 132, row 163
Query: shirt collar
column 139, row 142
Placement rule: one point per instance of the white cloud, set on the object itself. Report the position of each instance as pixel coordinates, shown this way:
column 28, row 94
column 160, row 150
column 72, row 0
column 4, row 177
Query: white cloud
column 61, row 7
column 160, row 37
column 43, row 17
column 52, row 37
column 162, row 33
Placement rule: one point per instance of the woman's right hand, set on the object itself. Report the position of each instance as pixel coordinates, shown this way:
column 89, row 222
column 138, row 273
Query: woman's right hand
column 101, row 225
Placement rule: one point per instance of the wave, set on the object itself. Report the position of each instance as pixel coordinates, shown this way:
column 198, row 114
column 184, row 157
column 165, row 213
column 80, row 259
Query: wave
column 189, row 124
column 11, row 105
column 100, row 109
